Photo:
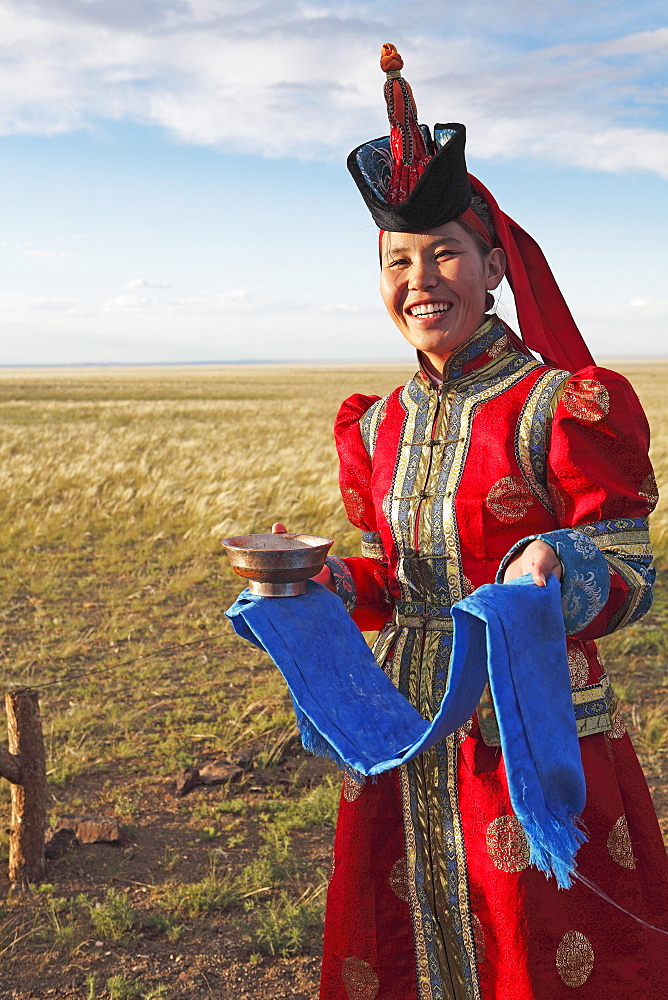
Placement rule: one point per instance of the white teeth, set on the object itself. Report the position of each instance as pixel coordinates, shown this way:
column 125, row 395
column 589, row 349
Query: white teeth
column 430, row 309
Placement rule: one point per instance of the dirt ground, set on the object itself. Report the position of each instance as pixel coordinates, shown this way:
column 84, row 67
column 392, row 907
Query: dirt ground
column 211, row 958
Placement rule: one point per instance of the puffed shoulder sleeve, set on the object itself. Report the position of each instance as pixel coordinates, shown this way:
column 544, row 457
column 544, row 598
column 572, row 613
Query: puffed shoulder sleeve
column 361, row 581
column 355, row 459
column 603, row 489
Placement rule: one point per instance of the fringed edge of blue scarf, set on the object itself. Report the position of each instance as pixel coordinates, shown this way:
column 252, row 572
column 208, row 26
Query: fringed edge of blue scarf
column 553, row 846
column 314, row 742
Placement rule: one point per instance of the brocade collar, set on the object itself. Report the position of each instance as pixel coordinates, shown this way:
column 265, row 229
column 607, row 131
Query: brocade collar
column 488, row 342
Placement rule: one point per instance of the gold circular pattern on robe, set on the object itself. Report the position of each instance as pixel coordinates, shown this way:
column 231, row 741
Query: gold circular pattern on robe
column 351, row 789
column 587, row 400
column 648, row 488
column 507, row 844
column 479, row 938
column 509, row 499
column 359, row 979
column 618, row 729
column 399, row 879
column 463, row 731
column 578, row 667
column 575, row 959
column 467, row 586
column 619, row 844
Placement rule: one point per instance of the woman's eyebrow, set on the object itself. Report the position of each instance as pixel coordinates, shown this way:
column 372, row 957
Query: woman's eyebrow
column 438, row 242
column 446, row 241
column 397, row 249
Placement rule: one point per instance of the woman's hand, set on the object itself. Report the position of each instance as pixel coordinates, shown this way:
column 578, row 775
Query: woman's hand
column 324, row 576
column 537, row 558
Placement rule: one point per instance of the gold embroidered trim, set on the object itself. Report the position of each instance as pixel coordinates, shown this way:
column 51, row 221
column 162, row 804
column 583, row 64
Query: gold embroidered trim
column 499, row 347
column 423, row 489
column 533, row 432
column 575, row 959
column 638, row 586
column 370, row 423
column 587, row 724
column 463, row 731
column 626, row 544
column 422, row 970
column 438, row 624
column 373, row 550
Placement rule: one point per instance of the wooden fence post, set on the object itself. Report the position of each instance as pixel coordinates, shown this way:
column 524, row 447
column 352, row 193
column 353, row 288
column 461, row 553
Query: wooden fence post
column 28, row 823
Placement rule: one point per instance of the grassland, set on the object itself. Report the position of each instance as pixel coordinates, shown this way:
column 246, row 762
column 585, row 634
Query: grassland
column 116, row 488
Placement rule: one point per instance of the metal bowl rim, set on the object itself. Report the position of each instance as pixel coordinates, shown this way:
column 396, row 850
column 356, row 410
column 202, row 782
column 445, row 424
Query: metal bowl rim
column 320, row 539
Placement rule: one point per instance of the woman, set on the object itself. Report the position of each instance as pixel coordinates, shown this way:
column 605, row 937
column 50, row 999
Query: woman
column 487, row 464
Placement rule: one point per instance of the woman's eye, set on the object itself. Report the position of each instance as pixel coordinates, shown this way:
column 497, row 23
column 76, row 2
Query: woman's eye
column 398, row 262
column 442, row 254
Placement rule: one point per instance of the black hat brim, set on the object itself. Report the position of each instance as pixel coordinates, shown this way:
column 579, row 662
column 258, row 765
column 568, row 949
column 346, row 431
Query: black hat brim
column 441, row 194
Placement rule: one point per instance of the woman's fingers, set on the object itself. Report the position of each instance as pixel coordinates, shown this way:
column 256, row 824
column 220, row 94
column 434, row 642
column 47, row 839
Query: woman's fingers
column 539, row 559
column 324, row 576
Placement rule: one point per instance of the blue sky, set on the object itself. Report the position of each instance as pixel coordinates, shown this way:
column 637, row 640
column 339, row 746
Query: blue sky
column 173, row 171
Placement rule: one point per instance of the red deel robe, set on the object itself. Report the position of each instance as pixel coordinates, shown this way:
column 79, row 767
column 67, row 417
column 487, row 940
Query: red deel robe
column 431, row 894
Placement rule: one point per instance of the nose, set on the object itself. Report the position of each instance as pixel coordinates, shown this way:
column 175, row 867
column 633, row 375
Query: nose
column 423, row 274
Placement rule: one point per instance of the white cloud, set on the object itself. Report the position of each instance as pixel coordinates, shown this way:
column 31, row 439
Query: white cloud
column 295, row 79
column 28, row 249
column 654, row 308
column 42, row 254
column 12, row 302
column 138, row 283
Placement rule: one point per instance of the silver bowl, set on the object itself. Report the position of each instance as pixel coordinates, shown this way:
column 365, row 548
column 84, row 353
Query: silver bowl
column 277, row 565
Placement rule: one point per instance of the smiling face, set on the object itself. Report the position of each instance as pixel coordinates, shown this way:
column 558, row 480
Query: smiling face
column 434, row 284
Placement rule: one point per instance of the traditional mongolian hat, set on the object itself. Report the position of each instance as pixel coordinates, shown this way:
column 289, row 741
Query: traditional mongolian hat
column 413, row 180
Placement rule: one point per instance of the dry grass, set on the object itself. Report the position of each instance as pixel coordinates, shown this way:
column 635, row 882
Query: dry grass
column 204, row 452
column 200, row 452
column 650, row 380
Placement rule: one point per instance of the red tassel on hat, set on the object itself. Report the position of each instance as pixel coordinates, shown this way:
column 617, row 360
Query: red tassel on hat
column 409, row 152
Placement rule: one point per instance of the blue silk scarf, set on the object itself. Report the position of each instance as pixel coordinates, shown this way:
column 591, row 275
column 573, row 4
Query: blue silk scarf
column 510, row 634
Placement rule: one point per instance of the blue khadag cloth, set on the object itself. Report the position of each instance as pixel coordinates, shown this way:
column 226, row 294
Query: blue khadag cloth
column 510, row 634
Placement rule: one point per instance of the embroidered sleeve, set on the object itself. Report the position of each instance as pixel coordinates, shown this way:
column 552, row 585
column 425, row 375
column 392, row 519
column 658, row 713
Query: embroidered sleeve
column 601, row 482
column 355, row 432
column 602, row 488
column 585, row 581
column 372, row 546
column 343, row 581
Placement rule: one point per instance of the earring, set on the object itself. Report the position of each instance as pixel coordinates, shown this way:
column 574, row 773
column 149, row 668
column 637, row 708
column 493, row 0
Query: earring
column 489, row 302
